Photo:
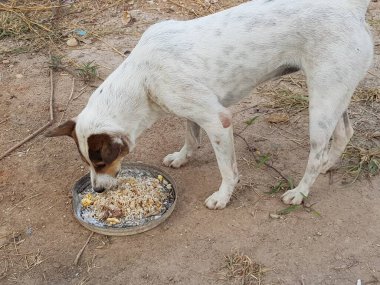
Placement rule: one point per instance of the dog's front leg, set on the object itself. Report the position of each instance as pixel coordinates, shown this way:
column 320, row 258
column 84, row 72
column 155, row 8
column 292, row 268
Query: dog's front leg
column 222, row 141
column 192, row 141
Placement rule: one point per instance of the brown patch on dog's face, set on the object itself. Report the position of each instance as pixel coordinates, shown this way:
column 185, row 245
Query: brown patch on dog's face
column 106, row 153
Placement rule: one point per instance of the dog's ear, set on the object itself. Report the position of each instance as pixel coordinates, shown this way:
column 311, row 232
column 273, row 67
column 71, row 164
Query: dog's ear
column 106, row 148
column 66, row 129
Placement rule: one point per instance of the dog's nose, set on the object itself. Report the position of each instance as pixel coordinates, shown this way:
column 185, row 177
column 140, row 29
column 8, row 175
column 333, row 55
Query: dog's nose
column 99, row 189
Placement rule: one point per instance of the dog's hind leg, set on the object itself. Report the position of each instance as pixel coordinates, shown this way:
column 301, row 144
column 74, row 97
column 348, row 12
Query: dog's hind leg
column 192, row 142
column 332, row 76
column 341, row 136
column 328, row 102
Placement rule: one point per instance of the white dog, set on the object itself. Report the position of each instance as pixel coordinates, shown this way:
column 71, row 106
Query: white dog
column 196, row 69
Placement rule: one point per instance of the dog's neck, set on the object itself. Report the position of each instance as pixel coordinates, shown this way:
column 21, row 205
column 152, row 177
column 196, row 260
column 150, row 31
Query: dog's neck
column 120, row 105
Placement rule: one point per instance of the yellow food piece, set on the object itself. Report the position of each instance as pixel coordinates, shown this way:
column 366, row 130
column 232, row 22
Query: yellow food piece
column 160, row 178
column 113, row 221
column 86, row 202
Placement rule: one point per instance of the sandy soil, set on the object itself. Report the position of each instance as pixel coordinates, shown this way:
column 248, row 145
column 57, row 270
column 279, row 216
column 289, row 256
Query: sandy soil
column 39, row 237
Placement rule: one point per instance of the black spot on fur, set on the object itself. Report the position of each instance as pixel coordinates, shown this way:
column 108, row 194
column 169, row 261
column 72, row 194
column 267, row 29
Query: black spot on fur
column 322, row 125
column 346, row 120
column 228, row 49
column 313, row 144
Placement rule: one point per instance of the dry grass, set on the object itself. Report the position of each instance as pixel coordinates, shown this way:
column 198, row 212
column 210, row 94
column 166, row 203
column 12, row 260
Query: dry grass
column 362, row 156
column 360, row 162
column 16, row 262
column 288, row 101
column 367, row 95
column 198, row 8
column 46, row 23
column 241, row 269
column 36, row 25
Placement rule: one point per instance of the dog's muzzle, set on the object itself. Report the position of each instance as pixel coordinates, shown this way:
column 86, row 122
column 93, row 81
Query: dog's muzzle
column 101, row 182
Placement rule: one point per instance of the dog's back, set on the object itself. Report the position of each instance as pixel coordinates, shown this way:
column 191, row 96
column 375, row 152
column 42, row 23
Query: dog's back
column 251, row 43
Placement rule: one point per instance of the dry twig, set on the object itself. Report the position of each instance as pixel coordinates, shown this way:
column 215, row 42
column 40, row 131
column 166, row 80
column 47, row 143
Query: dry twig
column 82, row 249
column 110, row 46
column 184, row 7
column 22, row 201
column 252, row 151
column 3, row 121
column 373, row 74
column 68, row 101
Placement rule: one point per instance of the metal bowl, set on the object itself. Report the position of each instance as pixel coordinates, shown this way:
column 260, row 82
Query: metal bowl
column 84, row 184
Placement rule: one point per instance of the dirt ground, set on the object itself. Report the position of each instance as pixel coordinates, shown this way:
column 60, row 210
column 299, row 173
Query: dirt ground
column 337, row 242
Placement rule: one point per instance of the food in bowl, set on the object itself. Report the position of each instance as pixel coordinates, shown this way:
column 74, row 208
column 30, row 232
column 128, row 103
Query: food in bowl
column 131, row 199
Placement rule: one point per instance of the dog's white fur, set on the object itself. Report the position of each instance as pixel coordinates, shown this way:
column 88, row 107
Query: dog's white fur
column 196, row 69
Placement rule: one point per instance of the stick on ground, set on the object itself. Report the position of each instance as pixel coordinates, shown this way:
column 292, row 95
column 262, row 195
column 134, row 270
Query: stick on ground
column 252, row 151
column 22, row 201
column 82, row 249
column 68, row 101
column 3, row 121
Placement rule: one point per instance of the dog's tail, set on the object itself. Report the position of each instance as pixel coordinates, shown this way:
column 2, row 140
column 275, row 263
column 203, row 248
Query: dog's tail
column 361, row 5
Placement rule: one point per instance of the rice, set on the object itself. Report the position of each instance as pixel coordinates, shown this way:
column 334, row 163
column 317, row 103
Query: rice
column 132, row 198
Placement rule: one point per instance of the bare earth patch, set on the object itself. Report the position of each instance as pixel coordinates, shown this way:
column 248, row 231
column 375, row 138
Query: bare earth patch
column 334, row 238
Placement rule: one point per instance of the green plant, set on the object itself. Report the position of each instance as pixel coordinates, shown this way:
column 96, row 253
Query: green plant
column 88, row 71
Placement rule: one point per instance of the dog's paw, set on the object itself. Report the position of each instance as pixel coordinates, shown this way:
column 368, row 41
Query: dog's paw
column 293, row 197
column 217, row 200
column 175, row 160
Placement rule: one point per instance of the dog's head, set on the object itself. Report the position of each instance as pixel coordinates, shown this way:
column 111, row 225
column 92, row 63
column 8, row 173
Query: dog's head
column 103, row 152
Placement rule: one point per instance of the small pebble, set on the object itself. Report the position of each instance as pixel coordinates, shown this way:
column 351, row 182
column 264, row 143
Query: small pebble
column 376, row 134
column 274, row 216
column 19, row 76
column 6, row 61
column 72, row 42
